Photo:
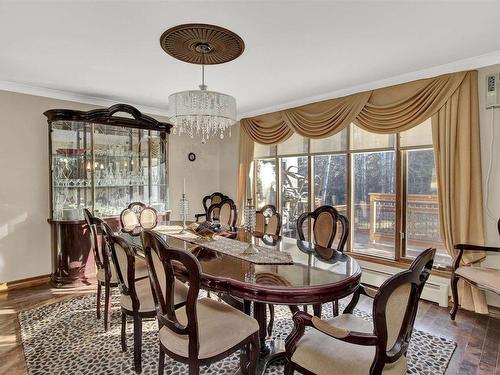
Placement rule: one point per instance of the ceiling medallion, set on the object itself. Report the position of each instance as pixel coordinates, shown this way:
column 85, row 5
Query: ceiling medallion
column 202, row 112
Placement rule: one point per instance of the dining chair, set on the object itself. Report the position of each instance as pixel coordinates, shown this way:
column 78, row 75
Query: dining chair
column 129, row 217
column 326, row 220
column 348, row 344
column 268, row 220
column 208, row 200
column 136, row 295
column 106, row 272
column 148, row 218
column 224, row 212
column 481, row 277
column 204, row 330
column 138, row 216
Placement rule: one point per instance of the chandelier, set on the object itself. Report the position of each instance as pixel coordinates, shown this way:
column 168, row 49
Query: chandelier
column 202, row 112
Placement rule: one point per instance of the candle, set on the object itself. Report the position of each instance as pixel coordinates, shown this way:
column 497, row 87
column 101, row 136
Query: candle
column 184, row 186
column 250, row 182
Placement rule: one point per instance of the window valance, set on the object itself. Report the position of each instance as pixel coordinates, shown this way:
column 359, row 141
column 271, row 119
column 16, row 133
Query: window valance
column 388, row 110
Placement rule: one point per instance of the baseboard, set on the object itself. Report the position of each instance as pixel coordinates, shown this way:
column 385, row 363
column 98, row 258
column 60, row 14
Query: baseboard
column 24, row 283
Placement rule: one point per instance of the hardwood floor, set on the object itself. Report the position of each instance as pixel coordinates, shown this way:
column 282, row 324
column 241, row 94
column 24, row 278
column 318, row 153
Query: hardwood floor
column 477, row 336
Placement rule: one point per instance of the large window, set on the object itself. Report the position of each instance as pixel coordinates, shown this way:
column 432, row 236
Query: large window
column 384, row 183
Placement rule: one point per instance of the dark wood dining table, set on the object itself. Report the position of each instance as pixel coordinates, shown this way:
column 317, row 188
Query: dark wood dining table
column 316, row 275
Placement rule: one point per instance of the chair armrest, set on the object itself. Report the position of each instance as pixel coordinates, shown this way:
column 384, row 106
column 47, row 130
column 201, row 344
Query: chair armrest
column 362, row 289
column 198, row 216
column 368, row 291
column 353, row 337
column 463, row 246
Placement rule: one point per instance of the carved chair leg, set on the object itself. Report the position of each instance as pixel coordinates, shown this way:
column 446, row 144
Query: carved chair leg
column 253, row 355
column 293, row 309
column 271, row 320
column 454, row 292
column 137, row 344
column 247, row 307
column 289, row 368
column 317, row 310
column 98, row 300
column 194, row 369
column 107, row 305
column 161, row 362
column 124, row 330
column 335, row 308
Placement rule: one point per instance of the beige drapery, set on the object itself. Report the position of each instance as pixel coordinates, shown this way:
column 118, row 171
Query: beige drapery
column 455, row 135
column 451, row 100
column 245, row 158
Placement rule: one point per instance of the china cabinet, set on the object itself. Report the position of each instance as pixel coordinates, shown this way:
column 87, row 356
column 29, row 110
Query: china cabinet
column 101, row 160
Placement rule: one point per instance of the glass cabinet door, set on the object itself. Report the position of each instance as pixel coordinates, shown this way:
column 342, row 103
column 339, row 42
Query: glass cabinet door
column 159, row 179
column 71, row 165
column 120, row 167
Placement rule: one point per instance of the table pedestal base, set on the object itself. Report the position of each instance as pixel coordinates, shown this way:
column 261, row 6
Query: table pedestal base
column 274, row 351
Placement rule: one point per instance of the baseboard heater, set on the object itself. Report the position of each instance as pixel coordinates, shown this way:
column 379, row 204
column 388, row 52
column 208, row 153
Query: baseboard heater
column 433, row 291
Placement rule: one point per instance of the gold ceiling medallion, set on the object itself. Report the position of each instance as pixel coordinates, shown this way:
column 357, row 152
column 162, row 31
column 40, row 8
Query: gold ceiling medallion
column 199, row 43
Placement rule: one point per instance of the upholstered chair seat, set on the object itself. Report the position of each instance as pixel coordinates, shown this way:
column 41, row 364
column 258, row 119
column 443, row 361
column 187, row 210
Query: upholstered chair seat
column 145, row 295
column 220, row 326
column 486, row 278
column 318, row 353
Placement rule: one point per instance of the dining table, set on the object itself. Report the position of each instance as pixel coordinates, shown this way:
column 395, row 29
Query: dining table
column 251, row 269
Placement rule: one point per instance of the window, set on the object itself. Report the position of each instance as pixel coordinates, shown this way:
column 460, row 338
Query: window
column 265, row 172
column 294, row 192
column 384, row 183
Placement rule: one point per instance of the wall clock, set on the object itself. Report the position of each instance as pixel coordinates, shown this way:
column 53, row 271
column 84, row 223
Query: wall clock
column 191, row 156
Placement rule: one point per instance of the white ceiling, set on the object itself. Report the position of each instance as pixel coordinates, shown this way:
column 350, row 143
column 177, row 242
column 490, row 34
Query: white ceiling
column 296, row 52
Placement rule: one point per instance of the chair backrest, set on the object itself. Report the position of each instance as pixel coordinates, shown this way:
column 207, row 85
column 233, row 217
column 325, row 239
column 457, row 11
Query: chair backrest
column 123, row 257
column 268, row 220
column 129, row 219
column 160, row 259
column 94, row 225
column 214, row 198
column 148, row 218
column 325, row 226
column 395, row 308
column 227, row 212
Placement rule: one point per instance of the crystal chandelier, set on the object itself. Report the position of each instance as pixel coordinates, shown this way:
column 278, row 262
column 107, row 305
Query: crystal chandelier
column 202, row 112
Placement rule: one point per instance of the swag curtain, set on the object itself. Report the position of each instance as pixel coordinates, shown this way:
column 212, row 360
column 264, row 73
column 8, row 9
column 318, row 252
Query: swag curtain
column 451, row 100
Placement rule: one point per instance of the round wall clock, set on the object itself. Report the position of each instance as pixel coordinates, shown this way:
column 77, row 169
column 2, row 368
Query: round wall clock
column 191, row 156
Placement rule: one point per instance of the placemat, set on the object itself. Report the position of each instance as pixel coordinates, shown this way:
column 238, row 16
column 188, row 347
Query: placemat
column 230, row 246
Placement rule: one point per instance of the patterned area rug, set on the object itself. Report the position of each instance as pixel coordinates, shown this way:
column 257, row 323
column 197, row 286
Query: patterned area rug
column 66, row 338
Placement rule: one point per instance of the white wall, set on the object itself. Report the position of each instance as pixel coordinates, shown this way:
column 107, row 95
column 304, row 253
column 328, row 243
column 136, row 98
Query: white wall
column 490, row 153
column 24, row 189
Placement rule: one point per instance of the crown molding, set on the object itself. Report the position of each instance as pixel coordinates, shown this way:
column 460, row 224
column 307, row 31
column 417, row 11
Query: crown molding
column 456, row 66
column 46, row 92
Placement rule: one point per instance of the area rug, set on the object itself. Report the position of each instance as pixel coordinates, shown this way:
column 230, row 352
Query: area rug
column 66, row 338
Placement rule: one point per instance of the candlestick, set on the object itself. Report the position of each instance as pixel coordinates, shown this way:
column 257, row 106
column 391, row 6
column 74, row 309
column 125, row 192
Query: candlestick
column 184, row 210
